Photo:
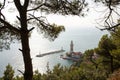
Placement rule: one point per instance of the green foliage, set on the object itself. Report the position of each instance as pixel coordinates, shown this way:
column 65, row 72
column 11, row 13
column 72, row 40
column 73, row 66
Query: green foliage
column 116, row 53
column 93, row 67
column 84, row 72
column 18, row 78
column 88, row 54
column 8, row 73
column 116, row 40
column 116, row 37
column 64, row 7
column 37, row 75
column 105, row 46
column 50, row 31
column 104, row 49
column 115, row 75
column 6, row 38
column 106, row 43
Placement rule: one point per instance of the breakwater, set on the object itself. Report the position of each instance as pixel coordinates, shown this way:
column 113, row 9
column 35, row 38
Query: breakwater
column 49, row 53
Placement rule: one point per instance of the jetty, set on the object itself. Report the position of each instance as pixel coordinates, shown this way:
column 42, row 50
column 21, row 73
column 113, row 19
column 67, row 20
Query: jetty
column 49, row 53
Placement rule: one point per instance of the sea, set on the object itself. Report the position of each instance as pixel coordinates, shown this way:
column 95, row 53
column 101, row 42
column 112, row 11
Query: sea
column 83, row 38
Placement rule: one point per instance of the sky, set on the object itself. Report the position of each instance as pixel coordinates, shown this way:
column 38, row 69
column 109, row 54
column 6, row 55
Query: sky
column 96, row 11
column 68, row 21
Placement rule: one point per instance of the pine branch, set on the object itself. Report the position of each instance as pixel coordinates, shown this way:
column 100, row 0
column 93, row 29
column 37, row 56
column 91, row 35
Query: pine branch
column 36, row 7
column 109, row 28
column 1, row 15
column 9, row 26
column 21, row 72
column 108, row 18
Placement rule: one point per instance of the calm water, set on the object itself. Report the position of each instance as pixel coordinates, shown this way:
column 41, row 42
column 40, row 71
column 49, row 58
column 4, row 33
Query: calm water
column 83, row 38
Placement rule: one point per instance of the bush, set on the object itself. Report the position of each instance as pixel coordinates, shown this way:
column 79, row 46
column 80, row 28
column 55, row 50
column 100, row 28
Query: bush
column 8, row 73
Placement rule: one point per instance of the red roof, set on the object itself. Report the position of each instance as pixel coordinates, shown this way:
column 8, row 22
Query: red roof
column 77, row 53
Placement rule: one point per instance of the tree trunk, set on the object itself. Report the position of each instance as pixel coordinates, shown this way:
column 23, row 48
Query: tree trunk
column 26, row 57
column 28, row 74
column 22, row 9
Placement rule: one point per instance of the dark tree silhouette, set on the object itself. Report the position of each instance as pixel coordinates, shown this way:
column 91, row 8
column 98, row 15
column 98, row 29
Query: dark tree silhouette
column 105, row 47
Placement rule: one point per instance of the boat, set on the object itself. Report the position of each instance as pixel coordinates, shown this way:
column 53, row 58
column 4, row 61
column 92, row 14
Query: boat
column 70, row 58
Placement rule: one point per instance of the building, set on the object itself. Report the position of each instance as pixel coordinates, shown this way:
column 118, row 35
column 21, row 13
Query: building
column 74, row 55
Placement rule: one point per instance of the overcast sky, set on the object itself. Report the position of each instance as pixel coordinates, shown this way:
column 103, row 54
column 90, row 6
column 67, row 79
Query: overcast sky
column 68, row 21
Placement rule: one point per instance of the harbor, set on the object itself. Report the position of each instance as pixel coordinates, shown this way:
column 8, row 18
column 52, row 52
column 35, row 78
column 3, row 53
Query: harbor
column 72, row 55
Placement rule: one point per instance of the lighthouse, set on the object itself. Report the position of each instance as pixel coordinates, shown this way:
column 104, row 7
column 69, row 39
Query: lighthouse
column 75, row 56
column 71, row 47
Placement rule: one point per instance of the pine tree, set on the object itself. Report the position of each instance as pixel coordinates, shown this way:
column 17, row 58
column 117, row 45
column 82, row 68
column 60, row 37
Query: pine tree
column 8, row 73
